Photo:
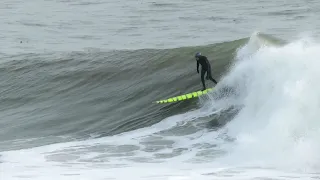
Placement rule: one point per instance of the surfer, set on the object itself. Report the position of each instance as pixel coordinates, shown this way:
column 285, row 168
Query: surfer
column 205, row 68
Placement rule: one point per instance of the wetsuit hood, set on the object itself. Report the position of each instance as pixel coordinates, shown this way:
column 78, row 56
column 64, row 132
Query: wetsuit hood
column 197, row 54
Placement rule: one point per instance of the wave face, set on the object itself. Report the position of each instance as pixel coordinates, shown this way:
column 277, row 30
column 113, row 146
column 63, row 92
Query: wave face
column 99, row 93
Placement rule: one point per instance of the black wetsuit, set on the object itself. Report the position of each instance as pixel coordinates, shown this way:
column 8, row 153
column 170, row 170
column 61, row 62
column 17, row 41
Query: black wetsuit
column 205, row 68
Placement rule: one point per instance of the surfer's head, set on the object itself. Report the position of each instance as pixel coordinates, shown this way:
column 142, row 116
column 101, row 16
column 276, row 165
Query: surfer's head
column 198, row 54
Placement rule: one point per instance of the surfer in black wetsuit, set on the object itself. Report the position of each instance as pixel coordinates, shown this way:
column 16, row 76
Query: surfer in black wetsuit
column 205, row 68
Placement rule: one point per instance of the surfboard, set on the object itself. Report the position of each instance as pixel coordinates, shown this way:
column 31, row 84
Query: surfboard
column 184, row 96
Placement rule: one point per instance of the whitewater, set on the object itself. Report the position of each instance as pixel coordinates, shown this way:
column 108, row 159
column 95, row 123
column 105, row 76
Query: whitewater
column 273, row 135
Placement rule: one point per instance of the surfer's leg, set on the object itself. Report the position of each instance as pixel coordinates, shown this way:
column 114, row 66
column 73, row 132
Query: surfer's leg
column 209, row 76
column 213, row 80
column 202, row 78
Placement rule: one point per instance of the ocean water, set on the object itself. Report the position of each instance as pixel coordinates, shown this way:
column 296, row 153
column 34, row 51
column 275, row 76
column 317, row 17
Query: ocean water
column 78, row 81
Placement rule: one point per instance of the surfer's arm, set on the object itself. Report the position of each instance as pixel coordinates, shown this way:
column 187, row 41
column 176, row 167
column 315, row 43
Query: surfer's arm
column 198, row 66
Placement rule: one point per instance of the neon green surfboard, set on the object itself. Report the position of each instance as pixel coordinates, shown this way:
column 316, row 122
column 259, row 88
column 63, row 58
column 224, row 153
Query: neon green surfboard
column 184, row 97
